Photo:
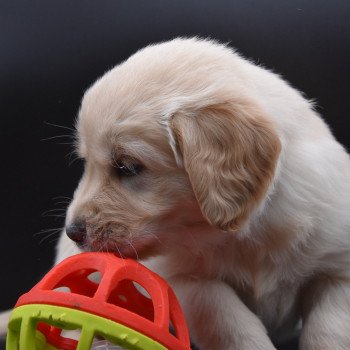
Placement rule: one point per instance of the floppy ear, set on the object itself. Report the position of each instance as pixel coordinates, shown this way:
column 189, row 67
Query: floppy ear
column 229, row 151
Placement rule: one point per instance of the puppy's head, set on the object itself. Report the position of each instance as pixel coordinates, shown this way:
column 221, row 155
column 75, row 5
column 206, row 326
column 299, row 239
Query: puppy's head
column 174, row 146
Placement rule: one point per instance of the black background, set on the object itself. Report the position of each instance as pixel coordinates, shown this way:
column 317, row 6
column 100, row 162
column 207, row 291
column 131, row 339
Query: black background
column 51, row 51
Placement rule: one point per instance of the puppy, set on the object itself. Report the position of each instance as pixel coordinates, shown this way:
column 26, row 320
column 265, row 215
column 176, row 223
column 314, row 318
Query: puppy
column 223, row 179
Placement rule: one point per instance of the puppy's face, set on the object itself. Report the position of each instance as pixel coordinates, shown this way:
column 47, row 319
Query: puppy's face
column 132, row 194
column 171, row 151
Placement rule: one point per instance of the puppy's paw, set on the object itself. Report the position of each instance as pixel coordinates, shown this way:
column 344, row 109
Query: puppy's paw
column 4, row 318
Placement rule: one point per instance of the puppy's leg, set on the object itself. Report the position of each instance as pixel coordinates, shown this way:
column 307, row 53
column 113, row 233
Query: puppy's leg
column 326, row 315
column 217, row 318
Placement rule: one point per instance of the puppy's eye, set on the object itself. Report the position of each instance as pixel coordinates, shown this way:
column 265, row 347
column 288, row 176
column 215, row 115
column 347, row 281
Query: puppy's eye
column 128, row 168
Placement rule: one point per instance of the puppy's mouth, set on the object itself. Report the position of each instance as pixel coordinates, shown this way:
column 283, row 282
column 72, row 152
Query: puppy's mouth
column 120, row 241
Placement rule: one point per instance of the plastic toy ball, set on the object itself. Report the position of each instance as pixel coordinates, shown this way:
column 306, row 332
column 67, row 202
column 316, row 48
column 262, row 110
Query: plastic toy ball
column 98, row 301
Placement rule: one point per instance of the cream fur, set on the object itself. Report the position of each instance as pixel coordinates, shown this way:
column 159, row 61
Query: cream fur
column 243, row 203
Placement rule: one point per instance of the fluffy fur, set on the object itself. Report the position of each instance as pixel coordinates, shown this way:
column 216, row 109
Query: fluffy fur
column 241, row 202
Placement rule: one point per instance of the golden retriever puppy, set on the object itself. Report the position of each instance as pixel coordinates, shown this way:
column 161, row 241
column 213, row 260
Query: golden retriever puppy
column 223, row 179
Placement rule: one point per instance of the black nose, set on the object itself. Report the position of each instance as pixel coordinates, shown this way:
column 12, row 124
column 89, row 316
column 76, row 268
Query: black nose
column 77, row 231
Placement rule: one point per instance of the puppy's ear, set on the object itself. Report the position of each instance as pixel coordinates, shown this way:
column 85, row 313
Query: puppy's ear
column 229, row 151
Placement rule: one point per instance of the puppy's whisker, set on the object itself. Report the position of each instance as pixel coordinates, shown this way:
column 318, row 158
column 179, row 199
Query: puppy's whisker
column 118, row 250
column 53, row 209
column 63, row 197
column 120, row 254
column 158, row 239
column 62, row 203
column 57, row 210
column 134, row 249
column 60, row 126
column 62, row 214
column 53, row 233
column 70, row 154
column 58, row 229
column 72, row 161
column 56, row 216
column 54, row 240
column 57, row 137
column 65, row 143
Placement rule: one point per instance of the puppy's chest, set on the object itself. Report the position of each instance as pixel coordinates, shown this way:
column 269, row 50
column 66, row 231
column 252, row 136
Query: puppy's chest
column 261, row 278
column 266, row 281
column 262, row 266
column 251, row 271
column 259, row 268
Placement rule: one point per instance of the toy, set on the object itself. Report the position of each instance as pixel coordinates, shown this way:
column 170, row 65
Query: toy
column 115, row 308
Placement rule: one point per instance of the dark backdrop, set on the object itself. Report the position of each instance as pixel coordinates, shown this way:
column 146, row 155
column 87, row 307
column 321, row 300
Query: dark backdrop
column 51, row 51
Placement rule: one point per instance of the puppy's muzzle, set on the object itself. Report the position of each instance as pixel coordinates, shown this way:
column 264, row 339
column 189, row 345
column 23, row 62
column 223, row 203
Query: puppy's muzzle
column 76, row 231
